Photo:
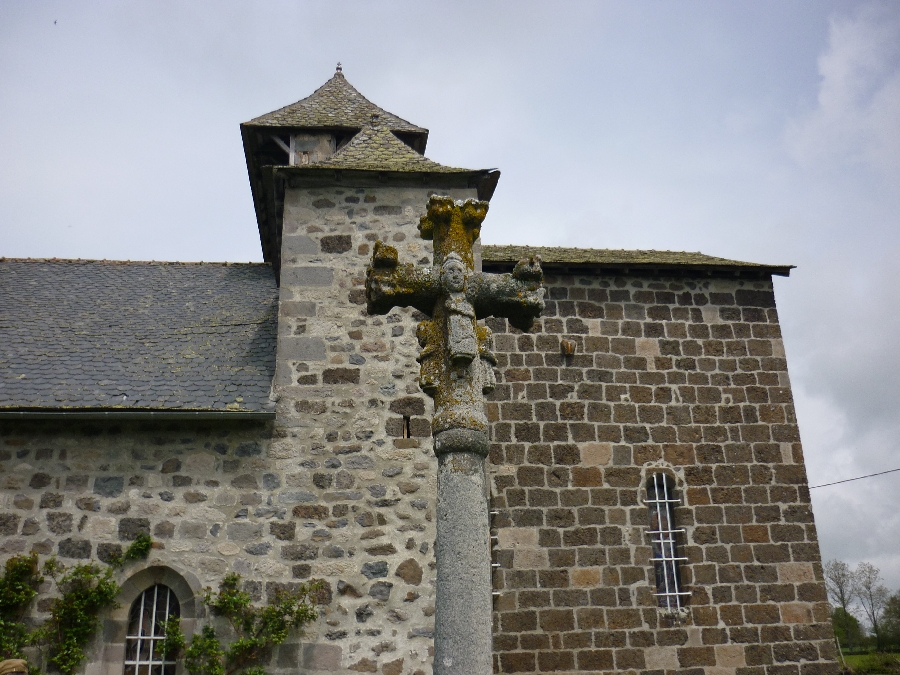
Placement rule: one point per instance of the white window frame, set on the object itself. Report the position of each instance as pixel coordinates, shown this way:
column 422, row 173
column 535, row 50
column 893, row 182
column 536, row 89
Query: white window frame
column 661, row 502
column 148, row 658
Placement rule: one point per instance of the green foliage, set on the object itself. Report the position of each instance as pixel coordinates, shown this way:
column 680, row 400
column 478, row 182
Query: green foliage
column 874, row 664
column 173, row 642
column 257, row 629
column 846, row 628
column 137, row 550
column 205, row 655
column 892, row 620
column 86, row 590
column 18, row 586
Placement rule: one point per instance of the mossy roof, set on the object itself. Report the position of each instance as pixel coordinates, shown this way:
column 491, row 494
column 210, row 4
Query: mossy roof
column 336, row 104
column 83, row 334
column 602, row 257
column 375, row 148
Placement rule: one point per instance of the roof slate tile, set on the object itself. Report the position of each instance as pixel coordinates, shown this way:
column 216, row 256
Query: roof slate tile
column 172, row 336
column 375, row 148
column 336, row 104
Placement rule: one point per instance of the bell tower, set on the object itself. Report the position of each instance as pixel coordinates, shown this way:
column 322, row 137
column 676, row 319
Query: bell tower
column 332, row 175
column 312, row 133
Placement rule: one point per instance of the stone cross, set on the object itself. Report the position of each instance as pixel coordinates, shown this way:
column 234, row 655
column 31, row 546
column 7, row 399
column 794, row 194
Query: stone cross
column 457, row 371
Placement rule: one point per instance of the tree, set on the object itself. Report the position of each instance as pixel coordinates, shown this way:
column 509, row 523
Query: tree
column 891, row 620
column 846, row 628
column 841, row 591
column 873, row 596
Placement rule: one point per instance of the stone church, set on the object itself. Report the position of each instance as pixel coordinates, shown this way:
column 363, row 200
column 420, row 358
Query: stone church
column 649, row 502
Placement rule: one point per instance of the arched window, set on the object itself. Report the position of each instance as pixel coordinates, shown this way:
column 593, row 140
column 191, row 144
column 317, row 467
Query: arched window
column 661, row 501
column 146, row 630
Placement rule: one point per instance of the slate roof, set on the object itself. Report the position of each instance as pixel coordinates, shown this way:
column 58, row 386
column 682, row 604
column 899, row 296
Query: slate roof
column 375, row 148
column 336, row 104
column 82, row 334
column 602, row 257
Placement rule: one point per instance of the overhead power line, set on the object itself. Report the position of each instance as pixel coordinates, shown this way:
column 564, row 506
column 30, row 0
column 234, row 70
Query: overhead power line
column 847, row 480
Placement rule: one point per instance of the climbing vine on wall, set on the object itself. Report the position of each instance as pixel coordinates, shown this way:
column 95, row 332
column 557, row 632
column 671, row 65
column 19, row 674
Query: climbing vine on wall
column 85, row 590
column 18, row 587
column 256, row 629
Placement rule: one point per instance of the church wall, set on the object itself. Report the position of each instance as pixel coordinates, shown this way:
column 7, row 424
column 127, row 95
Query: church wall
column 686, row 376
column 83, row 490
column 682, row 376
column 340, row 487
column 210, row 494
column 220, row 497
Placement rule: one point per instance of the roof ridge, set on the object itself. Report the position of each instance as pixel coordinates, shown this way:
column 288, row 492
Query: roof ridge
column 575, row 255
column 224, row 263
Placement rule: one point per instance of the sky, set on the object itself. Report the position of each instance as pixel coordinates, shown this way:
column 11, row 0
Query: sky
column 766, row 131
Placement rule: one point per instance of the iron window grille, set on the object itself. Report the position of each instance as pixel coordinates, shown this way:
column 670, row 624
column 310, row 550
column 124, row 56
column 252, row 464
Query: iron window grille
column 661, row 501
column 146, row 631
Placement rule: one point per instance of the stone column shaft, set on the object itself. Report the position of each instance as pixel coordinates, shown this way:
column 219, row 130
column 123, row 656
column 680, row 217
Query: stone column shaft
column 462, row 631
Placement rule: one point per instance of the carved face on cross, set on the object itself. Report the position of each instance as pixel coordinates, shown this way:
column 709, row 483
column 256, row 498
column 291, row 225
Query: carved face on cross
column 453, row 273
column 456, row 358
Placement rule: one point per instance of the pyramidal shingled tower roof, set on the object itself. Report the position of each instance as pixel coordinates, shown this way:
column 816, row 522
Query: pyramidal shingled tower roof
column 336, row 104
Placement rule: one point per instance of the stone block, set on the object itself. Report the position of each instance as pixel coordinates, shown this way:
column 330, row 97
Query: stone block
column 381, row 590
column 336, row 243
column 192, row 529
column 301, row 348
column 298, row 244
column 340, row 376
column 109, row 553
column 109, row 486
column 408, row 406
column 299, row 552
column 298, row 308
column 410, row 571
column 9, row 524
column 244, row 531
column 130, row 528
column 307, row 276
column 74, row 548
column 40, row 480
column 321, row 657
column 59, row 522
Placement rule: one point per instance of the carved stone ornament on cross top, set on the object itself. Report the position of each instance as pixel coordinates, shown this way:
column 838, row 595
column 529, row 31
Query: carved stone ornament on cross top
column 456, row 358
column 457, row 370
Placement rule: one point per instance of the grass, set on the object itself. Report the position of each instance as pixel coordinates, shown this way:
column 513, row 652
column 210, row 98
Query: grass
column 873, row 664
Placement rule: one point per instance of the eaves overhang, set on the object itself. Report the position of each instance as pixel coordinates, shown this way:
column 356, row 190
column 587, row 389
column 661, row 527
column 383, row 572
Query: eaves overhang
column 74, row 414
column 562, row 260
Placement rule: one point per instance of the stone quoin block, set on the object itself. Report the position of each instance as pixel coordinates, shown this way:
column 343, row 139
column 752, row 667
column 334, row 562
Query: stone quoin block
column 307, row 276
column 299, row 348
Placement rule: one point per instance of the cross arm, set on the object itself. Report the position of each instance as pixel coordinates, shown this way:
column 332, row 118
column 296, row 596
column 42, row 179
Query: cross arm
column 390, row 284
column 519, row 297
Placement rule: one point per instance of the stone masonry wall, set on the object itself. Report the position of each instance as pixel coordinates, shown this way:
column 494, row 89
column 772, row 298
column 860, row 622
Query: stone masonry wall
column 345, row 382
column 676, row 375
column 210, row 494
column 341, row 487
column 687, row 377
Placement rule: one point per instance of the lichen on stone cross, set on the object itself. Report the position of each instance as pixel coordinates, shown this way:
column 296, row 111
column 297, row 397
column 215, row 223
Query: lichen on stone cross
column 456, row 358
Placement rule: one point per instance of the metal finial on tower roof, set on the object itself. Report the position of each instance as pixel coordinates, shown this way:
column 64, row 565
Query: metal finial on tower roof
column 339, row 68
